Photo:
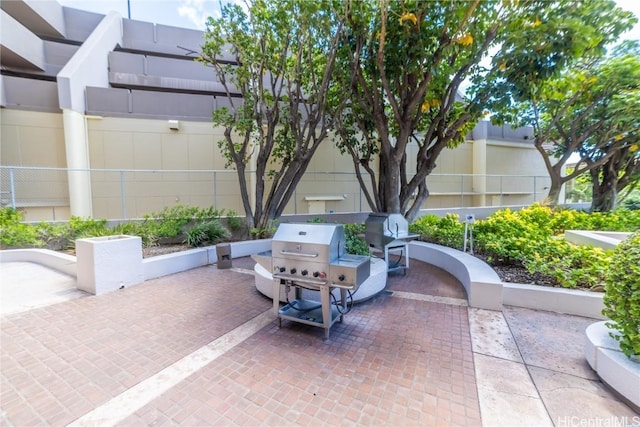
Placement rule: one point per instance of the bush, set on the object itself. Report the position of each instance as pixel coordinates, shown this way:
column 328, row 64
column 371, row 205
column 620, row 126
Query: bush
column 207, row 233
column 356, row 245
column 446, row 231
column 632, row 202
column 171, row 222
column 532, row 238
column 15, row 234
column 622, row 295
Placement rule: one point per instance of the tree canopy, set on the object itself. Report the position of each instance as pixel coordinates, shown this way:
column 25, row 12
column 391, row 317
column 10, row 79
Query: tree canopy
column 274, row 61
column 577, row 98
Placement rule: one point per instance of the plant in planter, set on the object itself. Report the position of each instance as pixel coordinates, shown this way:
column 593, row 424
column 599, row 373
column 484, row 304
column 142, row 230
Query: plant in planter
column 622, row 296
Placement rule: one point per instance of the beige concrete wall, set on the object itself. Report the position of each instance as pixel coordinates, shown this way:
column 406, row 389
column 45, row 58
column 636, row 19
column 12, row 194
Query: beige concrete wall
column 521, row 160
column 119, row 145
column 139, row 144
column 34, row 139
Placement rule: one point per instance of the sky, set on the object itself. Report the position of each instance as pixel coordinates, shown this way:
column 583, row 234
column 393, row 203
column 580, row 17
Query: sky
column 193, row 13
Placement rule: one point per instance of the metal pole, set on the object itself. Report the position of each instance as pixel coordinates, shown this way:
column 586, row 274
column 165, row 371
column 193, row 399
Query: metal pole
column 123, row 195
column 12, row 184
column 129, row 9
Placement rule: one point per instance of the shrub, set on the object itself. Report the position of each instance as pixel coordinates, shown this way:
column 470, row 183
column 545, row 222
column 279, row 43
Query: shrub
column 622, row 295
column 171, row 222
column 356, row 245
column 571, row 266
column 632, row 202
column 207, row 232
column 446, row 231
column 15, row 234
column 235, row 223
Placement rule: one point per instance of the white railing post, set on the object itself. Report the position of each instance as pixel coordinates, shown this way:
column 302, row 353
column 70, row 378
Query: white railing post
column 12, row 185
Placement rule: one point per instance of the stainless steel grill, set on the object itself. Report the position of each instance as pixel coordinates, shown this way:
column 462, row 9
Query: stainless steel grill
column 313, row 256
column 389, row 234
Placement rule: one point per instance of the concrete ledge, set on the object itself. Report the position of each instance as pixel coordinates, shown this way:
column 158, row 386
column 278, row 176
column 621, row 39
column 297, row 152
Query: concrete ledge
column 242, row 249
column 600, row 239
column 61, row 262
column 612, row 366
column 163, row 265
column 483, row 286
column 567, row 301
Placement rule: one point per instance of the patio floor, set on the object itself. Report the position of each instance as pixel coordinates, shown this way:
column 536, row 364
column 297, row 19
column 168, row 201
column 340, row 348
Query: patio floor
column 202, row 348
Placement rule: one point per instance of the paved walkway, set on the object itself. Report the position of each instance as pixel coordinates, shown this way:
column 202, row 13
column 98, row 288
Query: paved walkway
column 202, row 348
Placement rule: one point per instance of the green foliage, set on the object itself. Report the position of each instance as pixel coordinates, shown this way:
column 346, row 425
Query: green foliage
column 356, row 245
column 571, row 266
column 622, row 295
column 171, row 221
column 632, row 202
column 532, row 237
column 147, row 234
column 316, row 220
column 14, row 234
column 263, row 233
column 279, row 56
column 235, row 223
column 207, row 233
column 446, row 231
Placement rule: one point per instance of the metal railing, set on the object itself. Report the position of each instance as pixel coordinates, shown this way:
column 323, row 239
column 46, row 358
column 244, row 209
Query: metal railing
column 132, row 193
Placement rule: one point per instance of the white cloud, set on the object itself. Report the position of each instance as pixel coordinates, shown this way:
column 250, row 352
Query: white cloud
column 197, row 11
column 634, row 7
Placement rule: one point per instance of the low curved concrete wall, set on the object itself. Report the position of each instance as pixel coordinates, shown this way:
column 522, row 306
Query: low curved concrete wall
column 485, row 289
column 61, row 262
column 558, row 300
column 613, row 367
column 601, row 239
column 483, row 286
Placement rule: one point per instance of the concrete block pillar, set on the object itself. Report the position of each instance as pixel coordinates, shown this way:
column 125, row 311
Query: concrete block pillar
column 108, row 263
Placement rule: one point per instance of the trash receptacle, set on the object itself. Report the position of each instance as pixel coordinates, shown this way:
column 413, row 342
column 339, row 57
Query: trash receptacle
column 223, row 252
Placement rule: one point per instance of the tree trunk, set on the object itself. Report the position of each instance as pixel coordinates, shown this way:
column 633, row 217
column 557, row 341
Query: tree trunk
column 554, row 191
column 604, row 202
column 605, row 189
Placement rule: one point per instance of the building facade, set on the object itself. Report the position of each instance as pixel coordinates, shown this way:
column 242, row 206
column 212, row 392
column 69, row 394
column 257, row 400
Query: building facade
column 108, row 117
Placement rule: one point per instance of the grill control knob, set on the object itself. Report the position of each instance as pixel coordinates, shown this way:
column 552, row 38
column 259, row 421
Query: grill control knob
column 316, row 273
column 341, row 277
column 293, row 271
column 304, row 272
column 282, row 269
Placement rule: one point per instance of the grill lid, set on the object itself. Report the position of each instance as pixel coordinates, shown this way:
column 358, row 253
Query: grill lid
column 321, row 242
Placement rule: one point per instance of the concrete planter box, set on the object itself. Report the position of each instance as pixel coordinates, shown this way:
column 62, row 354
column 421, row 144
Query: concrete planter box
column 613, row 367
column 109, row 263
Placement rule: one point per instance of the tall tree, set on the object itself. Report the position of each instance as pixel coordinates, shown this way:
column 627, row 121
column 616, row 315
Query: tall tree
column 620, row 145
column 566, row 95
column 274, row 61
column 405, row 61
